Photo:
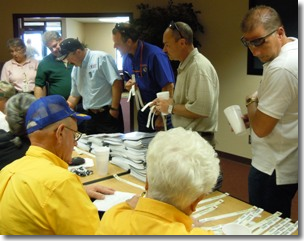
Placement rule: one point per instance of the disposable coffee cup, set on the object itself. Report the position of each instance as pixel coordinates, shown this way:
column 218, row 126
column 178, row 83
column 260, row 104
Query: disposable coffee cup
column 102, row 160
column 163, row 95
column 234, row 117
column 235, row 229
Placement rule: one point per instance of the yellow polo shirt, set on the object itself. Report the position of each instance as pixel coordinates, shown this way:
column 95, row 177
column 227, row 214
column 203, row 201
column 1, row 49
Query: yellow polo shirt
column 150, row 217
column 38, row 195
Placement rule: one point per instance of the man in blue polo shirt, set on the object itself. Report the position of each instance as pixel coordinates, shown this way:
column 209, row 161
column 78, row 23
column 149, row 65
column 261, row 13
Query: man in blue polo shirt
column 151, row 66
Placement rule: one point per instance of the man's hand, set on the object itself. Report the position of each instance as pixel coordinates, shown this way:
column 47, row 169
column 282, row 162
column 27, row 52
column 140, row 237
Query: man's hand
column 159, row 124
column 97, row 191
column 129, row 84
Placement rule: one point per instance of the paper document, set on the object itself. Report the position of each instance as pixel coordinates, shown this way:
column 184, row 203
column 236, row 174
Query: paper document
column 111, row 200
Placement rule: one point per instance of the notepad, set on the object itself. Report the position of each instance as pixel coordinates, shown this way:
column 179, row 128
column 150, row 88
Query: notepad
column 111, row 200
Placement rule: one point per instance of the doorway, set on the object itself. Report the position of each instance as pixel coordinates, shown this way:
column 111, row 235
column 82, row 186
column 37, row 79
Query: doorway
column 32, row 26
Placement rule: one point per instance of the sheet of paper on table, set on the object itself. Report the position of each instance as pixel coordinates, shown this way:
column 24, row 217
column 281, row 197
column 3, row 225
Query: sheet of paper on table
column 111, row 200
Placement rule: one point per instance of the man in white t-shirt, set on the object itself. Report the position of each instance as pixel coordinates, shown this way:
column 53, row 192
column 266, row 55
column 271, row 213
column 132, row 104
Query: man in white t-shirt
column 7, row 90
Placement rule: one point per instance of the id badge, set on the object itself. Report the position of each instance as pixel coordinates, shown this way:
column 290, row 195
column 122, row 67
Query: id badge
column 25, row 87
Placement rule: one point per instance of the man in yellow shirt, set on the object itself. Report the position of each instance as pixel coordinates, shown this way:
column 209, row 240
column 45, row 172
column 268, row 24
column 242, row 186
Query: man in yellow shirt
column 181, row 169
column 38, row 195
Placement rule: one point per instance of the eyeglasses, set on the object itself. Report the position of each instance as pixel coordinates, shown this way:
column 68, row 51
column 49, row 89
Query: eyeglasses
column 173, row 26
column 77, row 134
column 256, row 42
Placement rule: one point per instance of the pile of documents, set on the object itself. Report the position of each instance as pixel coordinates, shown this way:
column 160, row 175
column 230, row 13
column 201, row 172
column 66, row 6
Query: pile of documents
column 127, row 151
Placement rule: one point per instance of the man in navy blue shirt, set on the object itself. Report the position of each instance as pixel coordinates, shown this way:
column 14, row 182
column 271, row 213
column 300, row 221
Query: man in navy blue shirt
column 151, row 67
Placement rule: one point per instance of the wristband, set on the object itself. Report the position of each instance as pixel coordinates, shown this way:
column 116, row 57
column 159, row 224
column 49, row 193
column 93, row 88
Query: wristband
column 115, row 109
column 249, row 101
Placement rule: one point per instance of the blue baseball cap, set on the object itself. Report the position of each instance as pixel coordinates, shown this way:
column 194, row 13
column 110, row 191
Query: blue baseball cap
column 48, row 110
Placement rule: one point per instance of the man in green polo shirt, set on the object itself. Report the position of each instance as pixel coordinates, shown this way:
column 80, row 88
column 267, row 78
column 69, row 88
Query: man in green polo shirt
column 53, row 76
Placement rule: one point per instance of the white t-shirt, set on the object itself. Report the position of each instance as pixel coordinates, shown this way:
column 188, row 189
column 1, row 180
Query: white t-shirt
column 278, row 98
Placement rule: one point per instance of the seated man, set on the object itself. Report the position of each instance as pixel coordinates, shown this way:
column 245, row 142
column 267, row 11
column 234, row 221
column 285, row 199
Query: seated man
column 38, row 195
column 7, row 90
column 181, row 169
column 15, row 142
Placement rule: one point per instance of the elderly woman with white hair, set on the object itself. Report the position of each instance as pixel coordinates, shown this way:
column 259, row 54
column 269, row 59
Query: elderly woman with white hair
column 14, row 143
column 182, row 168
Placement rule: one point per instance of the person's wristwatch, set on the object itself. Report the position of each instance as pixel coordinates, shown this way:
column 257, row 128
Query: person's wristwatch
column 115, row 109
column 170, row 109
column 250, row 100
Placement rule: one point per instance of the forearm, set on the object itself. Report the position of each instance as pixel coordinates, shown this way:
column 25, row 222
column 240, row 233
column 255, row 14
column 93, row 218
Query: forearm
column 73, row 101
column 39, row 91
column 169, row 87
column 117, row 88
column 181, row 110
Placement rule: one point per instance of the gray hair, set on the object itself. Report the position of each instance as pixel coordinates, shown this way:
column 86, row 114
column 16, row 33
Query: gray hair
column 7, row 90
column 16, row 43
column 181, row 167
column 16, row 108
column 49, row 36
column 261, row 15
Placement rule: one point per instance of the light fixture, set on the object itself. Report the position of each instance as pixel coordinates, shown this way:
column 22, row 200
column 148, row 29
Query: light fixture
column 114, row 19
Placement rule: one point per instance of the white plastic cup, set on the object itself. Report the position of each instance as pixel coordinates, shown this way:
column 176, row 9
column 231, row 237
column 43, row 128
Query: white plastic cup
column 163, row 95
column 235, row 229
column 234, row 117
column 102, row 160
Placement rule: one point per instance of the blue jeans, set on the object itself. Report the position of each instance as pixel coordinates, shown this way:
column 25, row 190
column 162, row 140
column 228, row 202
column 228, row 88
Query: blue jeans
column 265, row 193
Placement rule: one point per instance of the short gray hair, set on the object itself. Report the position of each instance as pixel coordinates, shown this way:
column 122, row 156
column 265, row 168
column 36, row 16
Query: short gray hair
column 16, row 43
column 16, row 108
column 49, row 36
column 7, row 90
column 181, row 167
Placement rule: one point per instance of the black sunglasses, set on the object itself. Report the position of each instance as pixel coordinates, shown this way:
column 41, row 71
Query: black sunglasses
column 121, row 28
column 256, row 42
column 173, row 26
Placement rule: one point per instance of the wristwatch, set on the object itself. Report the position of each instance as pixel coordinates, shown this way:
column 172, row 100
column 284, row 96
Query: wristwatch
column 115, row 109
column 170, row 109
column 250, row 101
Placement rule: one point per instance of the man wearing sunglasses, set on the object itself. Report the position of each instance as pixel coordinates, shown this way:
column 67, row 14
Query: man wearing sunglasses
column 272, row 112
column 195, row 102
column 194, row 105
column 151, row 67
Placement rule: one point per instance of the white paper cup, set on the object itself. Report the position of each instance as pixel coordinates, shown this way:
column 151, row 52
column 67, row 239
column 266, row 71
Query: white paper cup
column 102, row 160
column 235, row 229
column 234, row 117
column 163, row 95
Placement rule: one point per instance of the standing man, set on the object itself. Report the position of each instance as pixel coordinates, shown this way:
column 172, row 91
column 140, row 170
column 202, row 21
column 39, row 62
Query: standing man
column 195, row 102
column 152, row 69
column 53, row 76
column 272, row 112
column 96, row 79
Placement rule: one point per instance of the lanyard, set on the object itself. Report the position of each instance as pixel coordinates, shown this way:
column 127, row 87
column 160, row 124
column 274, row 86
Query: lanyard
column 140, row 63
